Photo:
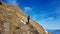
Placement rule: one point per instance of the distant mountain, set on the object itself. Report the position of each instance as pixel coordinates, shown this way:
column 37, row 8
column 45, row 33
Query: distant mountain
column 54, row 31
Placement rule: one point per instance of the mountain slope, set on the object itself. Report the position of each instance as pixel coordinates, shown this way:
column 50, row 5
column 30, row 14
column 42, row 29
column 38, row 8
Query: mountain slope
column 13, row 21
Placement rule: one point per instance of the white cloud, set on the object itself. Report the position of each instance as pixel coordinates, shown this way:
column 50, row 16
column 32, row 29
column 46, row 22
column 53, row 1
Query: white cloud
column 47, row 19
column 14, row 2
column 27, row 9
column 50, row 18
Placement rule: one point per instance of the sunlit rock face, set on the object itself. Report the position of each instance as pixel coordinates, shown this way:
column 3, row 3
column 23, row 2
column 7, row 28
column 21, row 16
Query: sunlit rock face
column 13, row 21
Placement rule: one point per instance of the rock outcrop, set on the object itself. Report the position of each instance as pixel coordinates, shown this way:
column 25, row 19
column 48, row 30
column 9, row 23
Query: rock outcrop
column 13, row 21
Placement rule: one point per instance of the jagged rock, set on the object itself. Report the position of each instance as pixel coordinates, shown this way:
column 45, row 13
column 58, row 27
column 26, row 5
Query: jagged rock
column 13, row 21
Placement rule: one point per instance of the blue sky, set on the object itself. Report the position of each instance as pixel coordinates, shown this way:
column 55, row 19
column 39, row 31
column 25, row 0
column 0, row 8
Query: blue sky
column 44, row 12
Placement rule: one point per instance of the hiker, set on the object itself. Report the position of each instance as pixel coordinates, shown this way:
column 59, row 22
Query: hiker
column 28, row 18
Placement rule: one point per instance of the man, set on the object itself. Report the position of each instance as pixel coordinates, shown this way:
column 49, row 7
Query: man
column 28, row 18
